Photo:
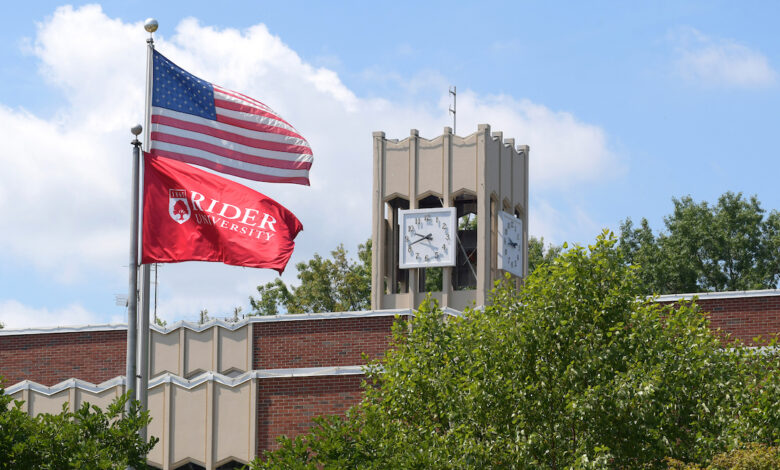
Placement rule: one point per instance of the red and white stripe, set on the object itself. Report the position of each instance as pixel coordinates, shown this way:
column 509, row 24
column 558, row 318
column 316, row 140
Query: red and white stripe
column 248, row 140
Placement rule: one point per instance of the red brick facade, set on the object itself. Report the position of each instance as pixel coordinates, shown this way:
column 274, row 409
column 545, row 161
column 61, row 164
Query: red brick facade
column 743, row 317
column 50, row 358
column 286, row 406
column 320, row 343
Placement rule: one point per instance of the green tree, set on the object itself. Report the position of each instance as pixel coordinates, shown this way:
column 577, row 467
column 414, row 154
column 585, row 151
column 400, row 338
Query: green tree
column 468, row 222
column 203, row 316
column 753, row 457
column 732, row 245
column 539, row 253
column 433, row 279
column 337, row 284
column 86, row 438
column 639, row 247
column 236, row 313
column 575, row 370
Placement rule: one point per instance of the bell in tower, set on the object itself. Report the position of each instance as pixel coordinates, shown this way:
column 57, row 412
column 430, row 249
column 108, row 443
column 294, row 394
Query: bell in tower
column 450, row 216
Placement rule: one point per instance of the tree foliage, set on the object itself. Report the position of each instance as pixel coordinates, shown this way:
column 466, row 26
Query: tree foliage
column 337, row 284
column 203, row 316
column 752, row 457
column 576, row 370
column 87, row 438
column 539, row 253
column 732, row 245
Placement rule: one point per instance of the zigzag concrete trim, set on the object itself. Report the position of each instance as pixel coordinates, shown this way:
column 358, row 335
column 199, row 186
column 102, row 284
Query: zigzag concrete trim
column 252, row 375
column 221, row 323
column 280, row 318
column 454, row 313
column 187, row 383
column 66, row 385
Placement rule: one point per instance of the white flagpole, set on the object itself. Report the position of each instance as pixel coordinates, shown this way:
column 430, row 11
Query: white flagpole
column 143, row 386
column 132, row 297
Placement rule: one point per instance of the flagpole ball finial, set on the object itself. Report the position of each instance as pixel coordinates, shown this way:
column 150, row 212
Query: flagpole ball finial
column 150, row 25
column 136, row 130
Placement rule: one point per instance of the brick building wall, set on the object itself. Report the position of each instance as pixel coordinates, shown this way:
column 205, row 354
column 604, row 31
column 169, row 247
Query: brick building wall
column 740, row 315
column 320, row 343
column 50, row 358
column 286, row 406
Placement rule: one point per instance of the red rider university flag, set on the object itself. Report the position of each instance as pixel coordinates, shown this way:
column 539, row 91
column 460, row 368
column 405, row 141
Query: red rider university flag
column 193, row 215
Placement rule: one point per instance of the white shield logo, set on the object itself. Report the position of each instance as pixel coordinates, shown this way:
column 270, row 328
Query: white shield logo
column 178, row 207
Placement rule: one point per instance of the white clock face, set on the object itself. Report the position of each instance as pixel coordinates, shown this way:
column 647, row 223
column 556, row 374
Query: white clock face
column 510, row 243
column 427, row 237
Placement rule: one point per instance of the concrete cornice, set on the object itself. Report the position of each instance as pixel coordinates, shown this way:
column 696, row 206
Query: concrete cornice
column 63, row 329
column 187, row 383
column 66, row 385
column 341, row 315
column 253, row 375
column 220, row 323
column 741, row 294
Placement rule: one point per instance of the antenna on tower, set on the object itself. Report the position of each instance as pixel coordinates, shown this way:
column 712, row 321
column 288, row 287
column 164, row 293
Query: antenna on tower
column 454, row 93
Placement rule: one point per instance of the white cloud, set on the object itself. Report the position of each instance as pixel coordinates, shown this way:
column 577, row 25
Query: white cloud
column 719, row 62
column 545, row 221
column 65, row 183
column 13, row 314
column 61, row 188
column 564, row 150
column 556, row 226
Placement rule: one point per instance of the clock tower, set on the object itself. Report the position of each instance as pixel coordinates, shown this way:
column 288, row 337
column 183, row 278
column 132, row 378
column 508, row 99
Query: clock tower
column 450, row 216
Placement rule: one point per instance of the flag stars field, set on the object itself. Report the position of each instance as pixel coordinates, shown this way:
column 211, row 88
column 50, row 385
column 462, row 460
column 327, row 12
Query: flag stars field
column 199, row 123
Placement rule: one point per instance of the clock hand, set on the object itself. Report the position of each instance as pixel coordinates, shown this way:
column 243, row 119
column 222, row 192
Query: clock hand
column 426, row 237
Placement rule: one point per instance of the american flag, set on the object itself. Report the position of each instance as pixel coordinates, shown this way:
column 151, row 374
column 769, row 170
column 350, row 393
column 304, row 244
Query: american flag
column 197, row 122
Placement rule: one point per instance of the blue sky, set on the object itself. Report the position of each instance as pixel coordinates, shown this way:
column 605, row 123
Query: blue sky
column 625, row 105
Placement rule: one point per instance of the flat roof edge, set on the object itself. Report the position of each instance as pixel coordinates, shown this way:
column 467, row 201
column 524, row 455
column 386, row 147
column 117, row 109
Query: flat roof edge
column 212, row 323
column 63, row 329
column 719, row 295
